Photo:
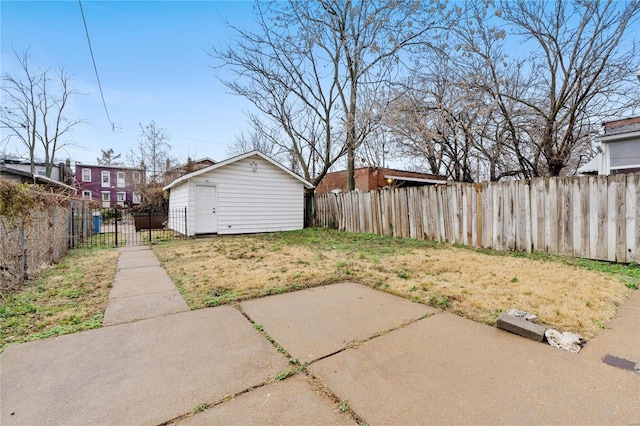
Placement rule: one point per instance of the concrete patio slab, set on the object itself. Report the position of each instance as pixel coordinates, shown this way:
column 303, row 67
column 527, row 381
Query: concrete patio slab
column 319, row 321
column 139, row 373
column 289, row 402
column 150, row 305
column 622, row 337
column 448, row 370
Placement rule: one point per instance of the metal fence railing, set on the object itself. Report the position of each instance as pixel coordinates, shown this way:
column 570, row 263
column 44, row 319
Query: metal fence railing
column 122, row 227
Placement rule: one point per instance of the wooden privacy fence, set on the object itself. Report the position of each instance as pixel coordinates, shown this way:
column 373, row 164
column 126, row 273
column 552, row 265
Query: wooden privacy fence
column 593, row 217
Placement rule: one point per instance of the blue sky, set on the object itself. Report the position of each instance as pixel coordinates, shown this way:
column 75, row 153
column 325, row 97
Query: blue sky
column 152, row 64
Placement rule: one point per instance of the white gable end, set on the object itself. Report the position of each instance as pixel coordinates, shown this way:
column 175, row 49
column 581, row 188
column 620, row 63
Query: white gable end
column 253, row 195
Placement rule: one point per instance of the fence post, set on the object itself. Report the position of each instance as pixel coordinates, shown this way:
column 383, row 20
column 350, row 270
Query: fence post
column 185, row 221
column 72, row 226
column 149, row 227
column 478, row 215
column 23, row 254
column 115, row 222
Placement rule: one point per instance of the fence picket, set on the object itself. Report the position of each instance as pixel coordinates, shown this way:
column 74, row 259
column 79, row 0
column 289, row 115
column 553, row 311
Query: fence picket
column 594, row 217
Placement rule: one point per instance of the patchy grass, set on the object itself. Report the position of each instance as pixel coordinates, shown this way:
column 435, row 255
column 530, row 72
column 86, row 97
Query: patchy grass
column 567, row 294
column 69, row 297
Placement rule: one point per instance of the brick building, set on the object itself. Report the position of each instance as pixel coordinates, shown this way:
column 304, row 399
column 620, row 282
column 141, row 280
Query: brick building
column 111, row 185
column 371, row 178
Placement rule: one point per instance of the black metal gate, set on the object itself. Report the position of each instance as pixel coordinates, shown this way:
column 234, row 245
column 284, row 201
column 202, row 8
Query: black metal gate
column 115, row 227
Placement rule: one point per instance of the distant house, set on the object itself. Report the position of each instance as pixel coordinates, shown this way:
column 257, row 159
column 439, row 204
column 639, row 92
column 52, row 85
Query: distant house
column 246, row 194
column 10, row 173
column 371, row 178
column 620, row 149
column 179, row 170
column 111, row 185
column 61, row 172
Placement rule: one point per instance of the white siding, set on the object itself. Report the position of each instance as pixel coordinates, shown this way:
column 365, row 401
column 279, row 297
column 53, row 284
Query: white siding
column 178, row 200
column 264, row 200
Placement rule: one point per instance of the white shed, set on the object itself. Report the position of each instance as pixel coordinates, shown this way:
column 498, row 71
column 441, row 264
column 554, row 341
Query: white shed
column 245, row 194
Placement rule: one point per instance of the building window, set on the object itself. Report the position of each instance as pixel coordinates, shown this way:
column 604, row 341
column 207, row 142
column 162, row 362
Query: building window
column 136, row 198
column 136, row 177
column 86, row 175
column 106, row 178
column 120, row 179
column 106, row 199
column 121, row 197
column 86, row 195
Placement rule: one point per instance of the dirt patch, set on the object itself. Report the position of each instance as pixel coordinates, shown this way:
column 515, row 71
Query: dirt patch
column 475, row 285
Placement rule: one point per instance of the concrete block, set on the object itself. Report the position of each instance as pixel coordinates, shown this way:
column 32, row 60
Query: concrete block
column 522, row 327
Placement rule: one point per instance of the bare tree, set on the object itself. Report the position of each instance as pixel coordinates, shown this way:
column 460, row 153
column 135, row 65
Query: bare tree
column 109, row 158
column 482, row 111
column 277, row 71
column 153, row 152
column 33, row 109
column 580, row 71
column 306, row 66
column 257, row 139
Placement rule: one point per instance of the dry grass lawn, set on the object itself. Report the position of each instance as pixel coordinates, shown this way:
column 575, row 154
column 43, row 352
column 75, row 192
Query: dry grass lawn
column 475, row 285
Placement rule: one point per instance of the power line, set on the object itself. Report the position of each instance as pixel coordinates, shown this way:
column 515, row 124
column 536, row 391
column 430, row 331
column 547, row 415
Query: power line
column 95, row 68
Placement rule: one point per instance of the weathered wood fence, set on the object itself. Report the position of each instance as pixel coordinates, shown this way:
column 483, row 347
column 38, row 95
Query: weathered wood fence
column 595, row 217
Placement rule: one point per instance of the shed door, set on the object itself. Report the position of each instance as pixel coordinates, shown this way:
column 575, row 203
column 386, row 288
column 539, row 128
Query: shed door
column 206, row 204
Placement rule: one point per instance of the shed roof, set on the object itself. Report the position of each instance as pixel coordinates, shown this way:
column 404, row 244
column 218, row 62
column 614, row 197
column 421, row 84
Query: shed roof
column 186, row 177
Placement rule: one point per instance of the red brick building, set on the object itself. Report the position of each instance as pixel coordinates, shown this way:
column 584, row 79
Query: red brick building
column 371, row 178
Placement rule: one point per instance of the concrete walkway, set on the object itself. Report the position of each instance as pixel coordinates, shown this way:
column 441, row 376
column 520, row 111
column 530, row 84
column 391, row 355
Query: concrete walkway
column 142, row 289
column 388, row 360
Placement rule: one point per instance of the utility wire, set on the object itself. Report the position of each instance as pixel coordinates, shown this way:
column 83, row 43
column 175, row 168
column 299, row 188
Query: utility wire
column 95, row 68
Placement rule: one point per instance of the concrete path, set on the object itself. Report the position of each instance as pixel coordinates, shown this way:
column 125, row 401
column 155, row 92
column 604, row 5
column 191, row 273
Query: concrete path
column 142, row 289
column 622, row 337
column 388, row 360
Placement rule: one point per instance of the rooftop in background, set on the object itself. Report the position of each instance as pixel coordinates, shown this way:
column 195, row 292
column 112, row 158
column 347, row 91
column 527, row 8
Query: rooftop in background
column 372, row 178
column 625, row 125
column 105, row 166
column 180, row 170
column 21, row 176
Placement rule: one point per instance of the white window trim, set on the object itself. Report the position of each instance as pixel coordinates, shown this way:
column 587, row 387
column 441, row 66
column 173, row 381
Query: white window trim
column 106, row 201
column 102, row 181
column 136, row 177
column 87, row 195
column 84, row 178
column 121, row 183
column 136, row 198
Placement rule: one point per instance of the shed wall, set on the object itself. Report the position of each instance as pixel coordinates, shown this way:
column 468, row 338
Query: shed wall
column 264, row 200
column 179, row 199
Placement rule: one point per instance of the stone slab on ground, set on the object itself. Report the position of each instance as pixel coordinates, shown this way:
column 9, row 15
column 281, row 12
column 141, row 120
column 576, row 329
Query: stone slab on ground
column 319, row 321
column 150, row 305
column 622, row 336
column 289, row 402
column 521, row 327
column 146, row 372
column 449, row 370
